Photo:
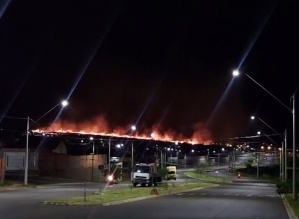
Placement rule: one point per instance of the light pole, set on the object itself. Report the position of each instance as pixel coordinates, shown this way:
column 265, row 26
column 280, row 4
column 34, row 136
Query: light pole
column 63, row 103
column 235, row 74
column 284, row 150
column 109, row 154
column 27, row 153
column 92, row 160
column 133, row 128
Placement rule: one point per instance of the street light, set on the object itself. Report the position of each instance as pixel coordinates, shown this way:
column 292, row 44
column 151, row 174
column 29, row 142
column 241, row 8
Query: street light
column 258, row 132
column 284, row 147
column 63, row 103
column 133, row 128
column 236, row 73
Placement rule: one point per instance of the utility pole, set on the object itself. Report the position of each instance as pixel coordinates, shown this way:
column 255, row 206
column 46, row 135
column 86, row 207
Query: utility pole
column 92, row 161
column 208, row 156
column 294, row 152
column 132, row 160
column 285, row 156
column 161, row 158
column 280, row 163
column 257, row 165
column 109, row 154
column 27, row 153
column 283, row 164
column 234, row 161
column 185, row 160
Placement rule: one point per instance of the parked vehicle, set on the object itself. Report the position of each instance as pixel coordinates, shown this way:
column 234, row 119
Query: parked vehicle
column 145, row 174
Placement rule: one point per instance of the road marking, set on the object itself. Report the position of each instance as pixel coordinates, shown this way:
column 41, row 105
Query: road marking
column 226, row 194
column 180, row 194
column 248, row 195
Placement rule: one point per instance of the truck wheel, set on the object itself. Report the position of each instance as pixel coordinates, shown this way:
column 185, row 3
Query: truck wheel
column 174, row 178
column 155, row 184
column 134, row 184
column 142, row 184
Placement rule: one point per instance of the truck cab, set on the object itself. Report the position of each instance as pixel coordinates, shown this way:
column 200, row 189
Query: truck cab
column 171, row 173
column 145, row 174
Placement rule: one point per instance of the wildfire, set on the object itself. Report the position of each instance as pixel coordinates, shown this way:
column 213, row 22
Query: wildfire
column 99, row 126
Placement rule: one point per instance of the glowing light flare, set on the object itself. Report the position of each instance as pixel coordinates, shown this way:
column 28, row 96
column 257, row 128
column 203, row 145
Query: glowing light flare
column 236, row 73
column 64, row 103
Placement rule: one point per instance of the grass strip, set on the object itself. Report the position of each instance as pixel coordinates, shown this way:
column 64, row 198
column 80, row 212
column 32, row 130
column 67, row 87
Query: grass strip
column 129, row 193
column 204, row 177
column 294, row 204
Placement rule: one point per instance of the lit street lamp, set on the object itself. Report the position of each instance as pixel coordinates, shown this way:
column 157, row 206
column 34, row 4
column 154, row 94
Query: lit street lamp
column 284, row 148
column 64, row 103
column 235, row 74
column 133, row 128
column 258, row 132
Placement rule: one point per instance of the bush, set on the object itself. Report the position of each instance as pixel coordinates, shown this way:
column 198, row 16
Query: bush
column 283, row 187
column 200, row 171
column 162, row 172
column 266, row 176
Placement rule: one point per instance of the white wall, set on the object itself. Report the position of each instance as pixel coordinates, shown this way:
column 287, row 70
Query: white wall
column 16, row 161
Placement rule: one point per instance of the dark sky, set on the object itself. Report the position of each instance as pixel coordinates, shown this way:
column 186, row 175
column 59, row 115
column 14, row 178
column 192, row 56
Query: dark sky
column 172, row 58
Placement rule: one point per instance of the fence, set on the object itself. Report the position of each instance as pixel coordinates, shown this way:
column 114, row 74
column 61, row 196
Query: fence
column 74, row 167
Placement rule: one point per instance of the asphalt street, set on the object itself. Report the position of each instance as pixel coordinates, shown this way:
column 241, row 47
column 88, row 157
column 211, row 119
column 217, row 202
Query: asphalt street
column 248, row 199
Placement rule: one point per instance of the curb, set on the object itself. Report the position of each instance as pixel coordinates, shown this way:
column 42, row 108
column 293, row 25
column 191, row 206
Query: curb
column 125, row 201
column 288, row 208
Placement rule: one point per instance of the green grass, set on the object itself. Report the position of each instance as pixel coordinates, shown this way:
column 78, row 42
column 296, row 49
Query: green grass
column 14, row 184
column 266, row 177
column 124, row 194
column 293, row 204
column 6, row 183
column 204, row 177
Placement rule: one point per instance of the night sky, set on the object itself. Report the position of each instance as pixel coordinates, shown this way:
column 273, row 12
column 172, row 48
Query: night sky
column 151, row 62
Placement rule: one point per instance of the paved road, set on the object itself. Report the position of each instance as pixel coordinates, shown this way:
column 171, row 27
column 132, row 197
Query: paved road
column 241, row 200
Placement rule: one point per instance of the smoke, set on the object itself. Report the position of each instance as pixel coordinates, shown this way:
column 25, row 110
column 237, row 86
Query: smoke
column 100, row 126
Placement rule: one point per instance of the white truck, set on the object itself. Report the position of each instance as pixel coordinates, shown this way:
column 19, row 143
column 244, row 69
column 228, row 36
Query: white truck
column 145, row 174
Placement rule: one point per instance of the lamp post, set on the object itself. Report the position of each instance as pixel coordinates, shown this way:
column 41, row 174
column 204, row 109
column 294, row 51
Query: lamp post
column 284, row 150
column 63, row 103
column 27, row 153
column 235, row 74
column 133, row 128
column 92, row 159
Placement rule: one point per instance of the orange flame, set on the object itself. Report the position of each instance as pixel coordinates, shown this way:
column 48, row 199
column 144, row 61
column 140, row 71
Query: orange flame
column 99, row 126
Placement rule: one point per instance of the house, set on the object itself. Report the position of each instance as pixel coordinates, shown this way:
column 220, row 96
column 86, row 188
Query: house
column 49, row 157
